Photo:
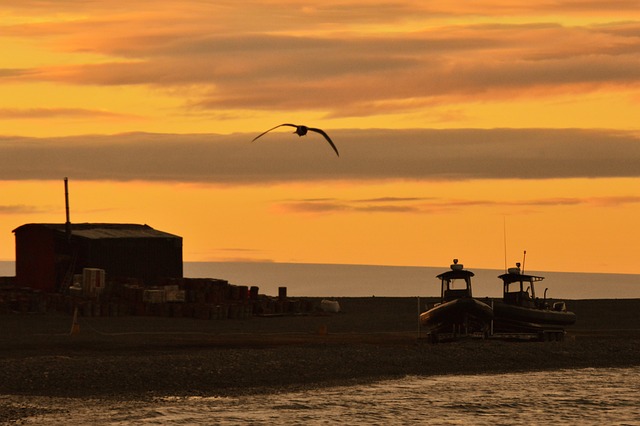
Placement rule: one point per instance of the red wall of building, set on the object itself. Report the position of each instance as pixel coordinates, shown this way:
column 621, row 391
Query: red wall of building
column 35, row 258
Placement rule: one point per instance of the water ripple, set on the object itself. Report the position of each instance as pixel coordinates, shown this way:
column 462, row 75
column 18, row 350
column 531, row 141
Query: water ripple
column 565, row 397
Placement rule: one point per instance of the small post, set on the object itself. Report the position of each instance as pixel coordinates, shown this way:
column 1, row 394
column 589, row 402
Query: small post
column 67, row 225
column 491, row 328
column 282, row 293
column 75, row 327
column 419, row 326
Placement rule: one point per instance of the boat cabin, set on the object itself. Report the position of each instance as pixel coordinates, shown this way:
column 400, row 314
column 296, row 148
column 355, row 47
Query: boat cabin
column 519, row 288
column 456, row 283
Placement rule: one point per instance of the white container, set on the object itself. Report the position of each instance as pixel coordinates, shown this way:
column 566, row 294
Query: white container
column 93, row 281
column 330, row 305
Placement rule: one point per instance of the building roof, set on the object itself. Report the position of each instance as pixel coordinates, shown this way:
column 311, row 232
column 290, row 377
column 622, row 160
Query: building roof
column 103, row 230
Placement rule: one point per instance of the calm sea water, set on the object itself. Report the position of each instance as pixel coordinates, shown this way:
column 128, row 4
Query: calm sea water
column 318, row 280
column 564, row 397
column 402, row 281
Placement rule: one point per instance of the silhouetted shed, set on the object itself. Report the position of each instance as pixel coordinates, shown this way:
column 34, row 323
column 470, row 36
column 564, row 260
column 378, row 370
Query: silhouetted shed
column 47, row 255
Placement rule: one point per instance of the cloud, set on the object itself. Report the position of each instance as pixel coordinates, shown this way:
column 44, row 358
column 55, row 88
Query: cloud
column 351, row 77
column 20, row 209
column 31, row 113
column 315, row 206
column 428, row 205
column 366, row 155
column 344, row 206
column 352, row 59
column 390, row 199
column 614, row 201
column 12, row 72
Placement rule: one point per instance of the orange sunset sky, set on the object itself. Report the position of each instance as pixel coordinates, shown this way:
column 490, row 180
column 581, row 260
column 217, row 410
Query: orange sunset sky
column 454, row 124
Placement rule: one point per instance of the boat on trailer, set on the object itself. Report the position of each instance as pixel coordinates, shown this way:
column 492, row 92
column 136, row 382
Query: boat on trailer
column 521, row 311
column 458, row 313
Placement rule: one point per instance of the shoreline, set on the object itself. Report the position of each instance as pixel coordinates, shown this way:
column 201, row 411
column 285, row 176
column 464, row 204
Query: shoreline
column 128, row 358
column 185, row 370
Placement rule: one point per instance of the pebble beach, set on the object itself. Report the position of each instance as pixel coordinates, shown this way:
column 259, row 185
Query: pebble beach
column 137, row 358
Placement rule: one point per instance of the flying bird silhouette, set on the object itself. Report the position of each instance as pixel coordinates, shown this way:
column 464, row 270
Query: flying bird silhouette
column 301, row 131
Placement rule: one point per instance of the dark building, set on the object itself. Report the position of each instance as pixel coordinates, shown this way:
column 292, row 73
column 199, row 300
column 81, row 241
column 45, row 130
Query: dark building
column 48, row 255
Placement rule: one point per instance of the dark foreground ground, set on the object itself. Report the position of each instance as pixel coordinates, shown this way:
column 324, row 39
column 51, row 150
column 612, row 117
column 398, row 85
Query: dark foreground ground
column 372, row 338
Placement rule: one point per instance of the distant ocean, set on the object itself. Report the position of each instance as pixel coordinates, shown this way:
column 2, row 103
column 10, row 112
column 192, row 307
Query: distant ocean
column 322, row 280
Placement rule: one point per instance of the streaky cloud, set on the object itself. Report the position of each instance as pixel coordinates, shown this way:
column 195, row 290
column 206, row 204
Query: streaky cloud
column 37, row 113
column 615, row 201
column 323, row 207
column 431, row 205
column 360, row 72
column 314, row 207
column 19, row 209
column 369, row 155
column 390, row 199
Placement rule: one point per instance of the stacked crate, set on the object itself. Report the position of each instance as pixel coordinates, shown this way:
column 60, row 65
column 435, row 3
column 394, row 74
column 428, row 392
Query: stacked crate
column 203, row 298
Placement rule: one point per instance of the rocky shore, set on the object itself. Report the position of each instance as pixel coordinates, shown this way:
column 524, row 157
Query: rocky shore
column 127, row 358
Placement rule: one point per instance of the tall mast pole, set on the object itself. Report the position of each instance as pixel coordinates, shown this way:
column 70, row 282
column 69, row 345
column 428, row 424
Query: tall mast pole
column 67, row 225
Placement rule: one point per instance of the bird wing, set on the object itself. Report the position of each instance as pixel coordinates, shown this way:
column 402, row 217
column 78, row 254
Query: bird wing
column 326, row 136
column 279, row 125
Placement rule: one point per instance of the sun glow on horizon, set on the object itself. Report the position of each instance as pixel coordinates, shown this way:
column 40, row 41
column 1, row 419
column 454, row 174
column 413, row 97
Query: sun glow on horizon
column 419, row 224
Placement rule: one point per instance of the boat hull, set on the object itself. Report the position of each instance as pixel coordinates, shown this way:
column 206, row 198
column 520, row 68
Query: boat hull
column 518, row 318
column 466, row 312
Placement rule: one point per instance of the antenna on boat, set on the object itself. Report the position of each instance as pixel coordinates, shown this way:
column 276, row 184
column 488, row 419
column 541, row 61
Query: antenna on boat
column 524, row 257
